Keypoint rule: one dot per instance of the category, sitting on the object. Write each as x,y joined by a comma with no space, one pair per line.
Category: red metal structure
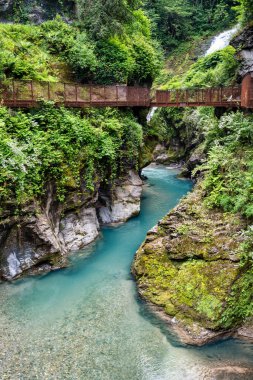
28,94
247,91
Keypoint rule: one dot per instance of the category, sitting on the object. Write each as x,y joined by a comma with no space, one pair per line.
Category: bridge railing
226,96
29,93
17,93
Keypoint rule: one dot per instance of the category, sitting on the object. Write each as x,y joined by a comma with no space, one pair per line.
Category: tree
103,18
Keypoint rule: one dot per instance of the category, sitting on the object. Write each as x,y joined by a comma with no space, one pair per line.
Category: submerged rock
229,373
189,269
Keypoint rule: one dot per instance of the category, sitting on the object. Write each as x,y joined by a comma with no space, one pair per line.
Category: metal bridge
29,94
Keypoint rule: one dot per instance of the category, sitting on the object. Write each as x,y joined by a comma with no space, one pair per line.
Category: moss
191,266
146,153
240,298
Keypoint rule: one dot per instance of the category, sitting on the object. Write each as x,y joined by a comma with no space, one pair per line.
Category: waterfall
151,114
218,42
221,40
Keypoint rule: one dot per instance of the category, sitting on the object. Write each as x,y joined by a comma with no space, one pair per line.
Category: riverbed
86,322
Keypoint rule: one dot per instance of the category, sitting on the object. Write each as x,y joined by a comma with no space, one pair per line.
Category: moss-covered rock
190,265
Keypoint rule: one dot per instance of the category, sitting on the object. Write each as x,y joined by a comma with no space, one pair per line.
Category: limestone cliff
244,45
40,237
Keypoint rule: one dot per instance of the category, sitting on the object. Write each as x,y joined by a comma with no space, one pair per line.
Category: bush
59,145
57,36
147,63
215,70
81,57
228,180
115,62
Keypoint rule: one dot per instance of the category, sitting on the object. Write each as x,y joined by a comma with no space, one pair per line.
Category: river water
87,323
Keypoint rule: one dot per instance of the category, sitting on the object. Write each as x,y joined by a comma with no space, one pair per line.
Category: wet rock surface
244,45
123,201
187,267
5,5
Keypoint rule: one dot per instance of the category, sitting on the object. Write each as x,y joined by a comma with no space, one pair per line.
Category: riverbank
189,267
86,321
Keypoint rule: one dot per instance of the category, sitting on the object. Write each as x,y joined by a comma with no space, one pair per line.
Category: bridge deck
27,94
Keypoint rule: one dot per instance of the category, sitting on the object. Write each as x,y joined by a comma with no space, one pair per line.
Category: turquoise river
86,322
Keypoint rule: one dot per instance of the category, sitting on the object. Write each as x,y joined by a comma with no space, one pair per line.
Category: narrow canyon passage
86,322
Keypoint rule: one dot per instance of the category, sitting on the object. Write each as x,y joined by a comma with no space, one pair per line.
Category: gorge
111,265
87,322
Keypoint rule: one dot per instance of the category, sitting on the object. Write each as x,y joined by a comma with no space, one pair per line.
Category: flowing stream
86,322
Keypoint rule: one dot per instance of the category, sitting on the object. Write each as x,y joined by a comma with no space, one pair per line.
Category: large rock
39,239
37,15
80,228
189,269
244,45
123,201
5,5
29,242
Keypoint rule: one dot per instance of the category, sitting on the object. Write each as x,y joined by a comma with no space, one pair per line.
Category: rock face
37,15
168,155
244,45
40,238
79,228
124,200
188,267
5,5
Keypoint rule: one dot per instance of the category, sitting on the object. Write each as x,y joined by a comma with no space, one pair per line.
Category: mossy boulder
190,266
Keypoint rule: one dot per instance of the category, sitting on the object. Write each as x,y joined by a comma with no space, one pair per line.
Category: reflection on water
86,322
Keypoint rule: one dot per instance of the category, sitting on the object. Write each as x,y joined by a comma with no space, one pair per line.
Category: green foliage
116,62
146,61
217,69
228,181
22,56
58,51
175,21
245,11
165,124
59,145
130,58
103,19
57,35
240,304
70,45
81,57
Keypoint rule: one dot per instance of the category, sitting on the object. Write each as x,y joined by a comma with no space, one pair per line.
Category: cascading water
221,40
151,114
218,42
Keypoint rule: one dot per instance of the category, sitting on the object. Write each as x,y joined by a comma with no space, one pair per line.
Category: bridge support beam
247,91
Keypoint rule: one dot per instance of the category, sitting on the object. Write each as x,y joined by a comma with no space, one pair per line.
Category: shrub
59,145
228,180
81,57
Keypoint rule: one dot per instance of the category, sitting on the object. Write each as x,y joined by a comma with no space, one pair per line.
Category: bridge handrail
29,92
